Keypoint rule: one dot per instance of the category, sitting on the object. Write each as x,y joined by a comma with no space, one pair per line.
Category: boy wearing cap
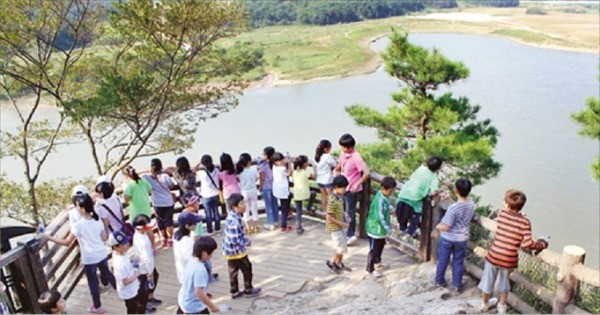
234,248
192,204
143,249
128,285
183,244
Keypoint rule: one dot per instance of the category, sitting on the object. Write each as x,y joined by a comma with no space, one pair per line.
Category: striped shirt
513,231
458,217
335,208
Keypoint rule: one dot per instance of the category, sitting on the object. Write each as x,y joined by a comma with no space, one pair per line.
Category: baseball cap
103,179
188,218
79,190
118,238
190,199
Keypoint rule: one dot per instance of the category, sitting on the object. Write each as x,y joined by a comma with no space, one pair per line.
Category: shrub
536,11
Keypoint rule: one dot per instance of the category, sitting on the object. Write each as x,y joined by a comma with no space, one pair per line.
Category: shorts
164,216
326,186
488,279
339,242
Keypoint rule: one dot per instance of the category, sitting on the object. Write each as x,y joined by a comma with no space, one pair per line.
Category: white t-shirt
182,251
143,249
248,178
90,241
116,207
325,169
161,193
124,269
207,188
74,215
281,185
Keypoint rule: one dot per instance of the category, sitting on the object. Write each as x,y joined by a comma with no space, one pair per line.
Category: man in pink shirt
354,168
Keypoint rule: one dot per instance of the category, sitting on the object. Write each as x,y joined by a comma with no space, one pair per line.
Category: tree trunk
33,200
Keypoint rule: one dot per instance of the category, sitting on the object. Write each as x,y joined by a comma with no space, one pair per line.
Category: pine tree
424,123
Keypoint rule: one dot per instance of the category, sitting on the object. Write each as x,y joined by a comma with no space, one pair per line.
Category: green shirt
378,222
421,183
139,192
301,189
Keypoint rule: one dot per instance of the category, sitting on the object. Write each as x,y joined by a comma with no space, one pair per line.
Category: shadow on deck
283,263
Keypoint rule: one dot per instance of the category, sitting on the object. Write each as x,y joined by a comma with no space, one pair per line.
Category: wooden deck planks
281,262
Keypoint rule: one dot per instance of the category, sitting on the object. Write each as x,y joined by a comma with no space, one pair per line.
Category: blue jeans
92,279
351,199
458,251
271,208
211,206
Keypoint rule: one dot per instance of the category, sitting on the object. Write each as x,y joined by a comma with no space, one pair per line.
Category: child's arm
59,241
528,242
204,298
331,219
382,221
313,175
128,281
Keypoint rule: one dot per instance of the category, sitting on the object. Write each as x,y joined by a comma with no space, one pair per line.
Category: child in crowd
74,214
228,176
184,176
51,302
325,165
128,285
248,176
108,205
281,187
143,250
192,297
266,187
301,188
162,200
183,245
378,225
91,235
209,190
454,229
513,232
234,248
354,168
192,204
422,182
334,224
137,194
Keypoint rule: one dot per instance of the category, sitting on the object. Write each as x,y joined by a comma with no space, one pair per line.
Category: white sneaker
502,308
490,304
381,266
352,240
376,274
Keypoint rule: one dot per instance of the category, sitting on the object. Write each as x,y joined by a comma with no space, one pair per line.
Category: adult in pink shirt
354,168
228,176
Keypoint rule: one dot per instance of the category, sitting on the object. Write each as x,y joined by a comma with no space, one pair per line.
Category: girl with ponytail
248,176
91,235
137,195
325,165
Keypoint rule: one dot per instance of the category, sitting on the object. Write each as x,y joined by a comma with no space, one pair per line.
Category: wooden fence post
426,228
363,210
436,217
567,284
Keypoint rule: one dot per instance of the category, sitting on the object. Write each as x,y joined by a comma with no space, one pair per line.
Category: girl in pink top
228,177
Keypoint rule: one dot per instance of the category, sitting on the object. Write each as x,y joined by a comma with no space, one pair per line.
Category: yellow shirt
335,208
301,188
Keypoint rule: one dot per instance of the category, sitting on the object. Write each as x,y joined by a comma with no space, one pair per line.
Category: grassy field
299,53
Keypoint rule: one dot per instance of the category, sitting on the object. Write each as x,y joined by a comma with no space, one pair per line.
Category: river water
528,92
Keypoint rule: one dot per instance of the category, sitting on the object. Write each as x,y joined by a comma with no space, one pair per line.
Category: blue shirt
458,217
194,276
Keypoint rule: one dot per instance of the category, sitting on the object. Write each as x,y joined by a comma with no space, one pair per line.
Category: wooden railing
34,267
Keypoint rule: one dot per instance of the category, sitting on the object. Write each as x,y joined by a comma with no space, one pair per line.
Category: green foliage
427,124
589,119
536,11
266,13
167,75
52,197
490,3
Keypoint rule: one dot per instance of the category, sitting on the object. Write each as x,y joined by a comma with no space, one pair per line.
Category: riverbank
300,53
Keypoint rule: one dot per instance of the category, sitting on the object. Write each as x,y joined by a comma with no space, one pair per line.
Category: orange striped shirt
513,231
